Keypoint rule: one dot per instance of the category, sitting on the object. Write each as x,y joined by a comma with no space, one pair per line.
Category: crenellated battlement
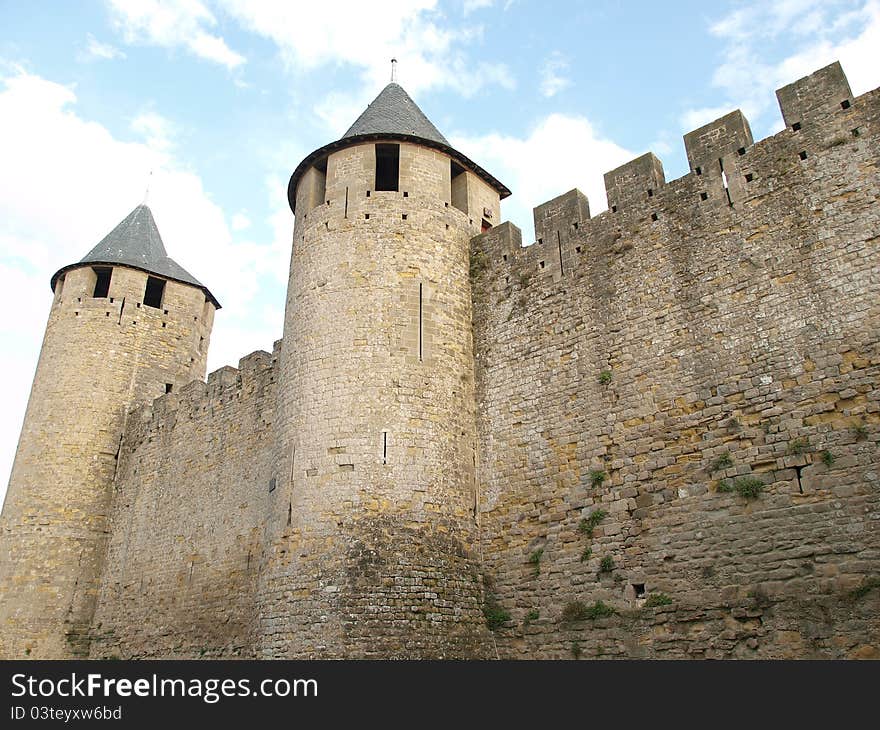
223,391
729,173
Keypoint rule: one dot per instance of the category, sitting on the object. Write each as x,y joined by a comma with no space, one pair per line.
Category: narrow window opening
327,225
724,182
796,127
164,325
107,314
420,321
613,208
289,512
855,132
559,249
384,447
749,177
366,216
154,291
138,305
704,196
541,264
797,475
639,589
102,283
168,387
504,257
698,170
654,216
403,217
447,226
577,249
345,211
368,193
575,224
387,166
485,226
741,151
845,104
650,193
458,188
405,194
540,240
803,154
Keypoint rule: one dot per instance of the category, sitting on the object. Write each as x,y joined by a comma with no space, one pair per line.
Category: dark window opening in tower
387,166
459,186
102,282
485,226
154,291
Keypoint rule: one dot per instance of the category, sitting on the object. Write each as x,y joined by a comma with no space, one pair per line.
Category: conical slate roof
392,115
394,112
136,242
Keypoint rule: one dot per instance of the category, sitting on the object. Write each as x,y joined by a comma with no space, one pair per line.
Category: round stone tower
372,533
127,324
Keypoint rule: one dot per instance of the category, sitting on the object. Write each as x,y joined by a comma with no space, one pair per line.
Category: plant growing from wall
576,649
532,615
798,446
586,554
723,486
722,462
860,431
605,377
868,585
589,523
827,458
535,560
580,611
479,262
749,487
494,613
657,599
607,564
597,477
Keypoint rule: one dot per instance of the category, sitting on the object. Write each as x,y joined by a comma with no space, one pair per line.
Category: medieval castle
652,433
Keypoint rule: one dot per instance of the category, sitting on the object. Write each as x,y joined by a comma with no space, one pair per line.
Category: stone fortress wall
653,433
641,374
100,355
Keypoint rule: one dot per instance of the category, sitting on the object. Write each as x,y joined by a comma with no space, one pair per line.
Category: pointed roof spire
394,112
392,115
136,242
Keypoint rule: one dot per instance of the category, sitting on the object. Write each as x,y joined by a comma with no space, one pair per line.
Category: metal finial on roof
147,191
393,70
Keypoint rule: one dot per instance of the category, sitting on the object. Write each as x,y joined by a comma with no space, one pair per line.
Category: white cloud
97,51
560,153
367,35
553,78
66,181
156,130
173,23
240,221
471,6
819,31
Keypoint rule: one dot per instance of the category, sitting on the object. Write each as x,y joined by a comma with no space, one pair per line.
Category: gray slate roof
136,242
392,115
394,112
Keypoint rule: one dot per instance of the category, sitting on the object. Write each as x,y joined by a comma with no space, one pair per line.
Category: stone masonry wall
195,473
372,535
711,336
99,357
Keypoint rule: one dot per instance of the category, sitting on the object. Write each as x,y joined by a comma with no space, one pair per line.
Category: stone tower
373,525
127,324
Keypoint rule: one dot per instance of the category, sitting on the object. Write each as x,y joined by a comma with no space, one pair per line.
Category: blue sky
221,99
